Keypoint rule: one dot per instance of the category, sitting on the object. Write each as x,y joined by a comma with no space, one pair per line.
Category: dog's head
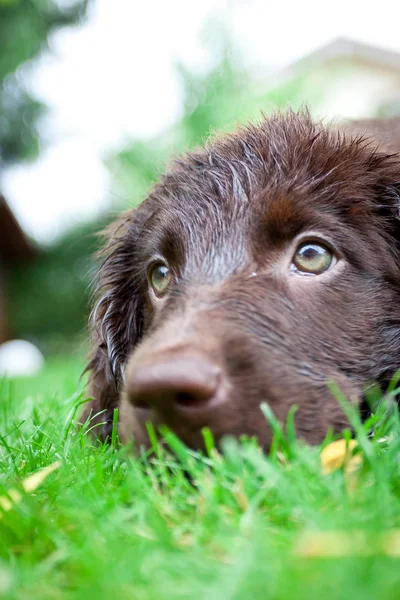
258,270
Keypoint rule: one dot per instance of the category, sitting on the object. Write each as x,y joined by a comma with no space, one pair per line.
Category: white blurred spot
19,358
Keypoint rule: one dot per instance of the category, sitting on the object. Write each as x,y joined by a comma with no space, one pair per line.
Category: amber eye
313,258
159,278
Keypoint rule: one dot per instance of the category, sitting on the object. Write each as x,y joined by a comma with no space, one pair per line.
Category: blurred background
95,97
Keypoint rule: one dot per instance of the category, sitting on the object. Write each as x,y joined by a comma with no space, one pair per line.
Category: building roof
344,47
14,243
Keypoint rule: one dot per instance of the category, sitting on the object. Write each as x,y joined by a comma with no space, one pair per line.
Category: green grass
107,525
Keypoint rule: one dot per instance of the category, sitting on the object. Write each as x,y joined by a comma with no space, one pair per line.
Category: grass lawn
106,525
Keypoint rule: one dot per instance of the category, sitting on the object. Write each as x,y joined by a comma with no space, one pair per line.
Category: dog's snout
180,384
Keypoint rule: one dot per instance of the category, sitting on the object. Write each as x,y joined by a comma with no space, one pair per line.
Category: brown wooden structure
14,246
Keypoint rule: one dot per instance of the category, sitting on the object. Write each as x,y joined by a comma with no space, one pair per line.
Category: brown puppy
259,269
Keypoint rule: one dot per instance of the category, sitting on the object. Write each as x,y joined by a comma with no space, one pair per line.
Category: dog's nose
186,384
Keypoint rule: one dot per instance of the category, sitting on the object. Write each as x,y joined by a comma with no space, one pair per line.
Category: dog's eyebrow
284,217
281,219
163,239
172,247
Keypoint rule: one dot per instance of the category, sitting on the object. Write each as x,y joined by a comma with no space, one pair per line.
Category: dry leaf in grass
330,544
340,454
240,495
29,485
336,544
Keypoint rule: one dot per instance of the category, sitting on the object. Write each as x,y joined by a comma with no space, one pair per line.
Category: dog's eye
313,258
159,278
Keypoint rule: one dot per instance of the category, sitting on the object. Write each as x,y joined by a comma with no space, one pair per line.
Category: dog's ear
116,322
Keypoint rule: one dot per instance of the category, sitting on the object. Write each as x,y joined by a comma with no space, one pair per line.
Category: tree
214,100
25,26
49,298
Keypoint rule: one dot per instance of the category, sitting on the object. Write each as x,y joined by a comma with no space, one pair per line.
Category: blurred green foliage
50,296
213,101
25,26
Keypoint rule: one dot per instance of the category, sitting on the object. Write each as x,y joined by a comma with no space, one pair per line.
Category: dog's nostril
180,383
187,400
141,402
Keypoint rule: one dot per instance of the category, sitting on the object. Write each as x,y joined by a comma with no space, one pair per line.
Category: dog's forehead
267,213
263,186
209,236
279,174
218,239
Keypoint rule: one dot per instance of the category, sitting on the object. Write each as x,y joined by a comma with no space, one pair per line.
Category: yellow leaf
335,544
331,544
29,485
240,495
340,454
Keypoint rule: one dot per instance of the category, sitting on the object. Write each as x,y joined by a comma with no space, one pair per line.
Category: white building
346,79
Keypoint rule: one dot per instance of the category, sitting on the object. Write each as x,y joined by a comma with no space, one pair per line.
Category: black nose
186,384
